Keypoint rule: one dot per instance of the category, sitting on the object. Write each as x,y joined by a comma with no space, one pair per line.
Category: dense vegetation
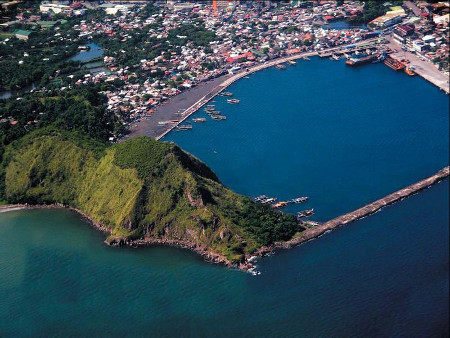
38,60
373,9
139,189
81,108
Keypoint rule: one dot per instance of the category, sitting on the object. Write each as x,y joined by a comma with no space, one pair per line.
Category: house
22,34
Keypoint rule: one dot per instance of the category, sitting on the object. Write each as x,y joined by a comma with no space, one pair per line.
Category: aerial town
194,42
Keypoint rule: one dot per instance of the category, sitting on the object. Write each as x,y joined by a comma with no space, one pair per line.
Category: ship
218,117
360,59
199,119
292,62
226,94
393,64
280,66
233,101
409,71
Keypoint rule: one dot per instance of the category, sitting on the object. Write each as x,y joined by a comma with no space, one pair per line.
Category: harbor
194,99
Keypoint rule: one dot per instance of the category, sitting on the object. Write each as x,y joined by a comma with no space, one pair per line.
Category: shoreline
247,265
202,94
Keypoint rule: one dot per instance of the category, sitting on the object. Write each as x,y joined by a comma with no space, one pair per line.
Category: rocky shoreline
207,255
247,265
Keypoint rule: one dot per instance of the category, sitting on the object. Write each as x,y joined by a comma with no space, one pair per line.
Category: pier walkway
365,210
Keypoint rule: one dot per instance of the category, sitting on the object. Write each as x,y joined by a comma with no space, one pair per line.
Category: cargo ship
393,64
360,59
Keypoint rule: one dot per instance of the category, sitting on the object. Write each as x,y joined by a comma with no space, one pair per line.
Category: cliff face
141,190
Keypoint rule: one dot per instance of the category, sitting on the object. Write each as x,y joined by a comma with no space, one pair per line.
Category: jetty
366,210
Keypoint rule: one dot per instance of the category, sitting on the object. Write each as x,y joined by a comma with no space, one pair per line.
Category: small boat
218,117
306,58
299,199
233,101
280,204
226,94
214,112
185,127
269,200
409,71
280,66
199,119
335,57
292,62
305,213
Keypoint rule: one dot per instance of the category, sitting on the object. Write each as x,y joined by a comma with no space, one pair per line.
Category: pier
366,210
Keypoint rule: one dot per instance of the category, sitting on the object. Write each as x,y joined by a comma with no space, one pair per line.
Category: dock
366,210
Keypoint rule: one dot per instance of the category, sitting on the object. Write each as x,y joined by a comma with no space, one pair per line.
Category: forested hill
140,190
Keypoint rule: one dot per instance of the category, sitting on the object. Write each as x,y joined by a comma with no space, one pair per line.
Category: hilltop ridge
141,192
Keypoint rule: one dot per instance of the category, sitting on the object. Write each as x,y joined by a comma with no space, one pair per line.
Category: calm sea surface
294,133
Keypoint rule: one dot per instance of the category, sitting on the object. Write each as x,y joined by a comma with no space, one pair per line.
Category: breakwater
365,210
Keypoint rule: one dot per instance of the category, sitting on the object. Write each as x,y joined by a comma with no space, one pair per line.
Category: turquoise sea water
386,275
294,133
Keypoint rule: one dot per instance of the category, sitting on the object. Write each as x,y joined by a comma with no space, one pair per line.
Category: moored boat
409,71
280,66
292,62
226,94
393,64
305,213
233,101
218,117
199,119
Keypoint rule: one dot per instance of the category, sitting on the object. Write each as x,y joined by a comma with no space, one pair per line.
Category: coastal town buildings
226,38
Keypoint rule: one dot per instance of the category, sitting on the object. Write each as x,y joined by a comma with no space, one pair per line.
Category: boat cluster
264,199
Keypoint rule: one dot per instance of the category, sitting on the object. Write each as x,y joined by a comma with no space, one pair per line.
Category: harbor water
342,136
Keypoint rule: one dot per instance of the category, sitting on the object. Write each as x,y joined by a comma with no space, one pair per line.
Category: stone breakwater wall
365,210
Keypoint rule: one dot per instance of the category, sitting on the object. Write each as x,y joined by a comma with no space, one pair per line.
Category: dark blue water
385,276
342,136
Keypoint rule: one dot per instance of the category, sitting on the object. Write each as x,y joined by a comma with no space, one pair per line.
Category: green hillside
140,189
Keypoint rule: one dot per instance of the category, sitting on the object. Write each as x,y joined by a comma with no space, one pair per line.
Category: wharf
366,210
423,68
200,95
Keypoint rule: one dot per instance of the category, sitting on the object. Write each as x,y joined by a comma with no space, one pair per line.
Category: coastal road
191,100
424,68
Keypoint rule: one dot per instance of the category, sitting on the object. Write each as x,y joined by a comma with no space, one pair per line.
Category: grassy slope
140,189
